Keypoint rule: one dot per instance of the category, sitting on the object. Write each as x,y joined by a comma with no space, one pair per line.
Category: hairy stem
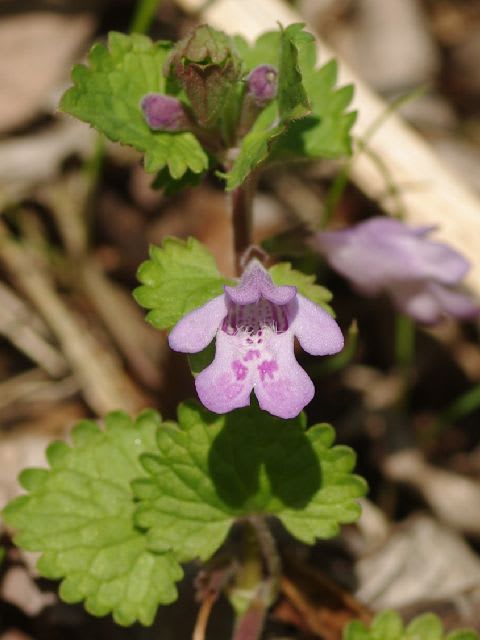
269,551
258,583
241,200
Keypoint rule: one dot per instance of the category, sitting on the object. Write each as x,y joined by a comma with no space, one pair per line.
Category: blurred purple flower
262,83
163,113
255,324
386,255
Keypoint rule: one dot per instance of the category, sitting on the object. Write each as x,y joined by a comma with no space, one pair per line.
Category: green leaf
277,48
292,100
255,147
326,132
356,630
171,186
425,627
180,276
389,626
79,515
108,92
283,274
212,470
263,51
308,119
200,361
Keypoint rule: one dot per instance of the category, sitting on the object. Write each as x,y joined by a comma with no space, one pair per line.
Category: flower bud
262,84
163,113
208,69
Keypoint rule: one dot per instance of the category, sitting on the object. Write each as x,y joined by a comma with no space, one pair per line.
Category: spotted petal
225,384
282,386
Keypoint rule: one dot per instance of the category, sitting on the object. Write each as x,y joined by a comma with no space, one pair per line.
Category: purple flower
163,113
386,255
262,83
255,324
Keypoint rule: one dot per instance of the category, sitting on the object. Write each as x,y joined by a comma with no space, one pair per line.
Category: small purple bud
163,113
262,83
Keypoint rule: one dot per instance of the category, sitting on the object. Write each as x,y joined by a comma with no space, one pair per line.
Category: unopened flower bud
262,83
163,113
205,64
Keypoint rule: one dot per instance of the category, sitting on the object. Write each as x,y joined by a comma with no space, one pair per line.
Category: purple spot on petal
239,369
267,368
251,354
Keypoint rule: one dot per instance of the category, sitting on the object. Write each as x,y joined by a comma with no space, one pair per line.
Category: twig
35,386
35,159
17,324
141,348
203,615
104,384
139,344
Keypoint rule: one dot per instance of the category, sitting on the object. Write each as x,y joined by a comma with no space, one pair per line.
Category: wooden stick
430,193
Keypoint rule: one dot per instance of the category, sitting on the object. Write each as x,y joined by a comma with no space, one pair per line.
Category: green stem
459,408
144,15
404,341
268,548
334,195
251,573
254,591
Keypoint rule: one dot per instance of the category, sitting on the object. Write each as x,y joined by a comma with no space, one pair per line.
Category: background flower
385,255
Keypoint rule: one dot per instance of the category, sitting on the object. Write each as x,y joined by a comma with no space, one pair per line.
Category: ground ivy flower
255,324
163,113
385,255
262,83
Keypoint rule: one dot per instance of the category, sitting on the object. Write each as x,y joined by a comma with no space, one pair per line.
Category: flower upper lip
255,284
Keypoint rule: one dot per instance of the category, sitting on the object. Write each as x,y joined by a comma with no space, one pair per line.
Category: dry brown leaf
422,560
16,453
36,50
455,499
19,588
